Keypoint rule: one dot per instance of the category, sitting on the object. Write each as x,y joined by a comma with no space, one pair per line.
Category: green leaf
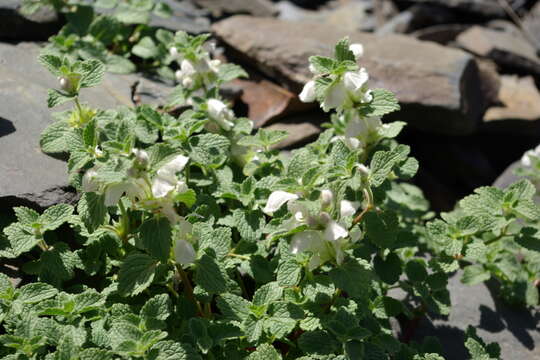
478,349
58,264
89,300
267,294
475,274
189,198
26,216
21,238
209,149
289,273
136,274
210,276
156,310
55,98
301,161
170,350
384,102
229,72
92,72
52,63
318,342
92,210
265,352
383,161
53,139
322,64
146,48
389,269
233,307
218,239
250,224
55,216
353,277
382,229
155,237
529,238
35,292
342,52
416,270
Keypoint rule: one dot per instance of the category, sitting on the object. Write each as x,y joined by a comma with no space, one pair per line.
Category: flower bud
364,170
65,84
357,50
141,156
308,92
173,51
327,198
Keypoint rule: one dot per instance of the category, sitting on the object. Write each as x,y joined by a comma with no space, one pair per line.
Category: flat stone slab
27,176
516,330
438,87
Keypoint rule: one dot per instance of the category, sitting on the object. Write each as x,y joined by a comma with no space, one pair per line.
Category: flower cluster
325,238
196,70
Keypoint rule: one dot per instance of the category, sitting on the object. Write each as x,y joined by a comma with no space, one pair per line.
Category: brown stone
438,87
519,112
503,47
299,133
219,8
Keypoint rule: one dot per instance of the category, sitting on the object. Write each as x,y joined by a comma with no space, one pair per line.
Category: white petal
185,228
355,127
352,143
363,169
169,170
327,198
184,252
299,211
215,107
89,184
334,231
355,81
114,192
357,50
312,69
335,96
167,209
187,81
308,92
161,187
373,123
174,52
187,68
276,199
141,156
309,240
315,262
348,208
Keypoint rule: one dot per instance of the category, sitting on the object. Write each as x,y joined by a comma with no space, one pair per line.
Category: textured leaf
475,274
92,72
92,210
136,274
35,292
55,98
383,102
265,352
155,237
267,293
55,216
233,307
210,276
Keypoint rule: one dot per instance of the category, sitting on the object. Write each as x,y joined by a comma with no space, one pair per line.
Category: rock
519,112
220,8
507,177
417,17
531,25
438,87
27,176
349,16
14,26
267,101
441,34
514,329
300,128
507,50
490,80
480,8
185,17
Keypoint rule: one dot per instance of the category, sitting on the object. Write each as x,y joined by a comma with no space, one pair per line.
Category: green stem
188,288
370,205
79,108
124,220
495,239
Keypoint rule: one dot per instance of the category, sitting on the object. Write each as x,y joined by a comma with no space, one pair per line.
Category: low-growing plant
195,238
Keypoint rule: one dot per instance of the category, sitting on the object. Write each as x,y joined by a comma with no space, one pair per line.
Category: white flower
141,156
355,81
308,92
363,169
327,198
335,96
357,50
348,208
220,113
312,241
529,155
334,231
184,253
186,73
173,51
166,180
114,192
89,183
214,65
276,200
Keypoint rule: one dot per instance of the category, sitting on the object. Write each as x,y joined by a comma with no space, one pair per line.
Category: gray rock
481,8
441,34
14,26
531,25
27,176
417,17
515,330
504,47
349,16
185,17
519,109
300,128
220,8
438,87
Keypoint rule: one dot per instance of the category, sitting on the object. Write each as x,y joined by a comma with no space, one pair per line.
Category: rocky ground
467,74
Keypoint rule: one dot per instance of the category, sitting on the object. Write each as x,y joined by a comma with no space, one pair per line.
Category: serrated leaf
136,274
170,350
92,72
267,293
229,72
322,64
342,52
55,216
53,139
289,273
210,276
156,310
388,269
416,270
383,162
21,238
265,352
353,277
146,48
35,292
317,342
155,236
474,274
92,210
55,98
26,216
384,102
52,63
233,307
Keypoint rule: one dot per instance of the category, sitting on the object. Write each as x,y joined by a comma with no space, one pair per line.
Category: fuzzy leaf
136,274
